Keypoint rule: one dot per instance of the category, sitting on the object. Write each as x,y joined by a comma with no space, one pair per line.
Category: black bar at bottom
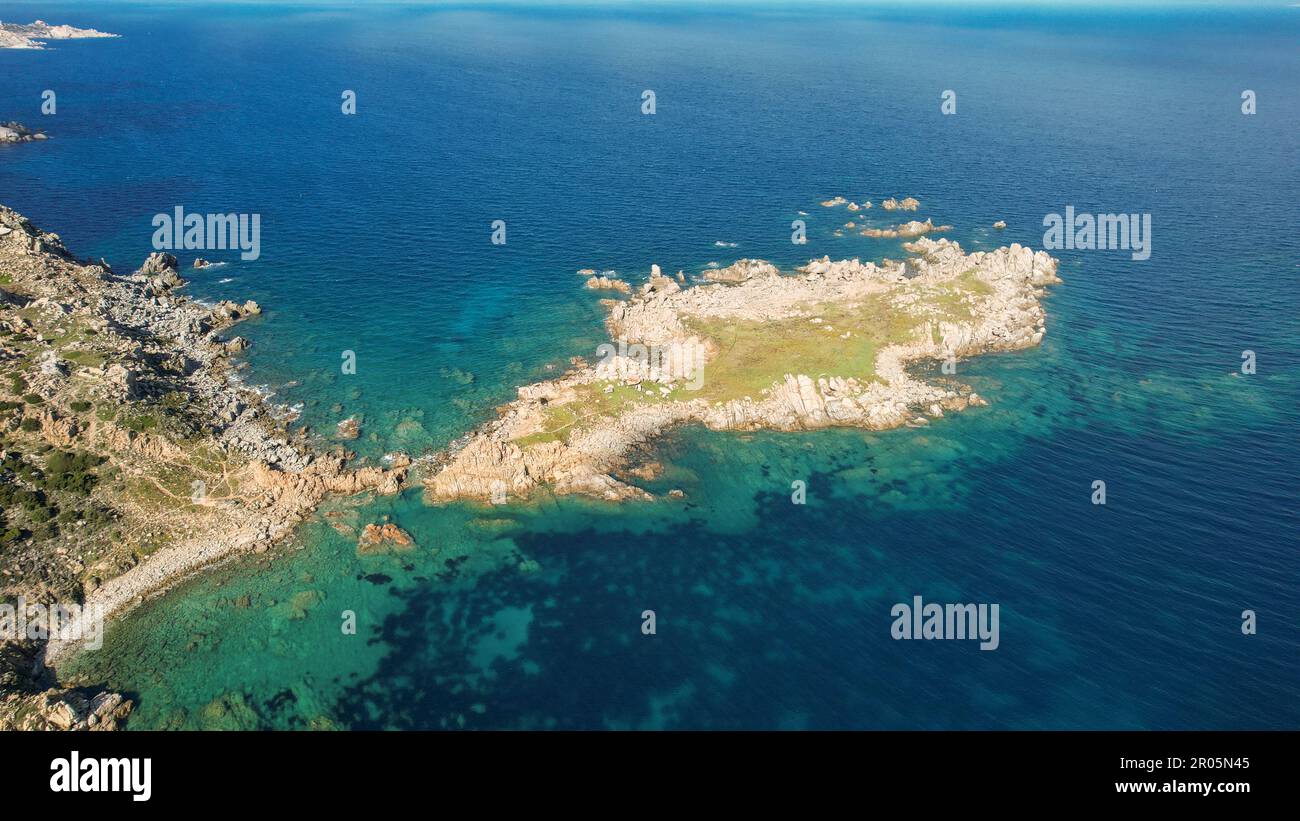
209,771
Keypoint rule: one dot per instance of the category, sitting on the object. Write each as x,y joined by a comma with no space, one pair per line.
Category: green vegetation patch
137,421
72,472
952,301
560,420
829,340
756,355
89,359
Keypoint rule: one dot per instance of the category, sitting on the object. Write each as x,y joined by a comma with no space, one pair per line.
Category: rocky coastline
133,453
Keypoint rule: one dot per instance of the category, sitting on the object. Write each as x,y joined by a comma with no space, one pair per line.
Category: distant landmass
34,35
15,132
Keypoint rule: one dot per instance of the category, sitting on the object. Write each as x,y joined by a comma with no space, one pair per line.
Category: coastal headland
133,452
33,36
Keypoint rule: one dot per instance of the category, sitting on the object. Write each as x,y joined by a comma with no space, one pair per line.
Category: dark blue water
376,239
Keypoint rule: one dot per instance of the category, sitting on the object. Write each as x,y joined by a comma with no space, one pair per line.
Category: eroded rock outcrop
915,228
28,701
598,283
383,538
742,271
905,204
13,132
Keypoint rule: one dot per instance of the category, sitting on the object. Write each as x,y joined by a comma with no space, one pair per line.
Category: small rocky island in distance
15,132
34,35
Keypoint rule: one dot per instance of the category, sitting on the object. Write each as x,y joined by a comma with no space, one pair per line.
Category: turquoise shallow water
376,239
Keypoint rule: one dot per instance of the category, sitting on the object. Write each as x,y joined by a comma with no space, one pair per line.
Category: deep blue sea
376,238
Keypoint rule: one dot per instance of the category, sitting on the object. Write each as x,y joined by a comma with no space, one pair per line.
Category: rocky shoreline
134,454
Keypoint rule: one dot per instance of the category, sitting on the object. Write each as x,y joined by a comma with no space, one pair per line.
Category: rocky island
755,348
914,228
13,132
132,452
33,35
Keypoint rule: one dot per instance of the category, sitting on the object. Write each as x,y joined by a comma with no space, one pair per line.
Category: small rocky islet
15,132
750,347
